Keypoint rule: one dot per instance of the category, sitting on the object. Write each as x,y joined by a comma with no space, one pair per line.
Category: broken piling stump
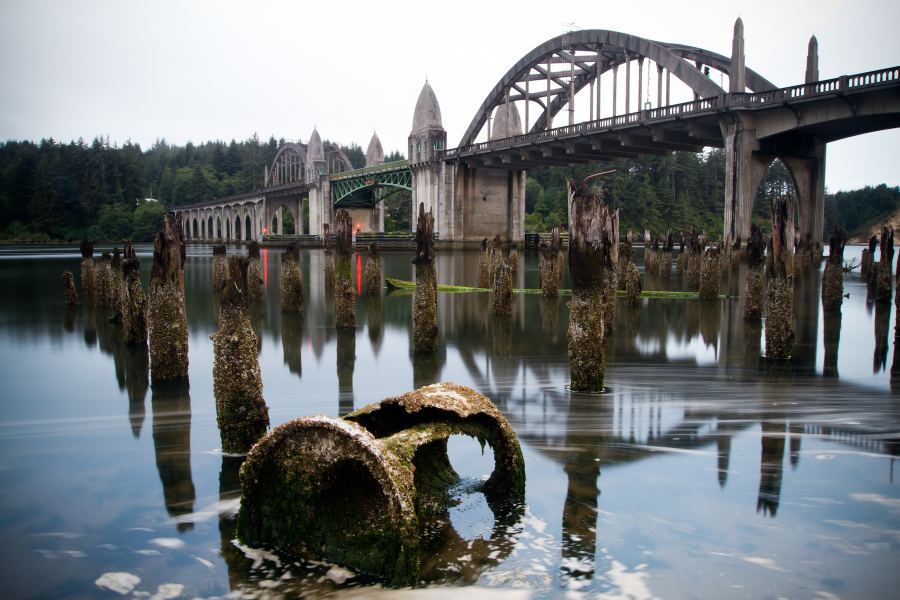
291,280
549,265
833,278
360,490
611,277
629,277
117,284
68,282
590,239
134,302
219,267
502,300
484,265
103,280
167,318
345,294
665,257
241,412
328,265
513,259
373,272
709,275
255,281
87,268
425,329
780,295
883,274
753,285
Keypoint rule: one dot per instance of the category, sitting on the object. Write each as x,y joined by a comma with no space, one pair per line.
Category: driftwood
345,295
360,490
241,412
591,237
833,278
425,329
167,318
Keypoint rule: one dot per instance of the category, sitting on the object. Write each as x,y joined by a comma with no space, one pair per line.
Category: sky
205,70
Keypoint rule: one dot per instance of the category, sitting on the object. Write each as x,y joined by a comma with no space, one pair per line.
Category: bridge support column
745,167
320,206
427,188
809,180
480,203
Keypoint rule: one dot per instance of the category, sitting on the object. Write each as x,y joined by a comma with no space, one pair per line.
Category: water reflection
427,367
770,467
172,443
882,324
137,380
374,322
292,341
346,363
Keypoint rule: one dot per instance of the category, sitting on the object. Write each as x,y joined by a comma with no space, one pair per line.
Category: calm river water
702,473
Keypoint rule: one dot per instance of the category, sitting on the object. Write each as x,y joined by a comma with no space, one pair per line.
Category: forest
52,191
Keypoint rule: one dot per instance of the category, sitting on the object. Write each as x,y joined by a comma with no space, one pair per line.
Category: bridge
477,189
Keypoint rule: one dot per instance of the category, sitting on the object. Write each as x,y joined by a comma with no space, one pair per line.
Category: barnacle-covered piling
328,265
219,267
373,272
291,281
513,259
425,329
665,257
134,302
611,277
709,275
753,285
502,297
255,280
167,318
591,237
344,294
117,284
484,264
629,277
833,279
68,282
360,490
87,268
103,280
549,265
779,295
241,412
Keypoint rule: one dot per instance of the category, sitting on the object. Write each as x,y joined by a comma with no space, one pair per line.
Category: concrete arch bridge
618,96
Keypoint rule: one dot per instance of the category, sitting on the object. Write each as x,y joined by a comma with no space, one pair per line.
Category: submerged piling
219,267
117,284
373,272
780,295
345,295
753,285
328,265
549,265
291,280
502,300
425,329
241,412
665,257
883,274
629,277
484,265
513,259
167,318
103,280
134,302
87,268
611,277
255,281
833,279
651,258
590,239
68,282
868,258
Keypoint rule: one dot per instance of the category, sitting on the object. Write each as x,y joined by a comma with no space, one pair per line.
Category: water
702,473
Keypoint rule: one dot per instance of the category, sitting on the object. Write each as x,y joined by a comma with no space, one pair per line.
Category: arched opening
209,227
228,229
218,228
237,228
289,226
470,515
194,235
275,222
203,229
249,231
776,182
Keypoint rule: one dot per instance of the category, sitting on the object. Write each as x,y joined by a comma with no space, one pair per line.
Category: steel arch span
588,54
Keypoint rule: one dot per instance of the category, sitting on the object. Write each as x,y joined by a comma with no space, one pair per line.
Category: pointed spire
737,81
375,153
506,121
428,111
314,149
812,60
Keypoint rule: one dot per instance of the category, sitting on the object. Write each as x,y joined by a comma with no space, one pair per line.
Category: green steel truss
356,189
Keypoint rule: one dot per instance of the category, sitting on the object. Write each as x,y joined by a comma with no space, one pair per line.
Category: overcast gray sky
204,70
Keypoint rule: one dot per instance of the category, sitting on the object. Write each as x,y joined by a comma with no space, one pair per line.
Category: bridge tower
375,156
426,140
319,187
748,156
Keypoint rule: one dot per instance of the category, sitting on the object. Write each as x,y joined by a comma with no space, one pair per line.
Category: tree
147,219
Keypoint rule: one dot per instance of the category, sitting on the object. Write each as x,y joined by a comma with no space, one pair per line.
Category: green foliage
396,211
857,209
114,223
147,219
